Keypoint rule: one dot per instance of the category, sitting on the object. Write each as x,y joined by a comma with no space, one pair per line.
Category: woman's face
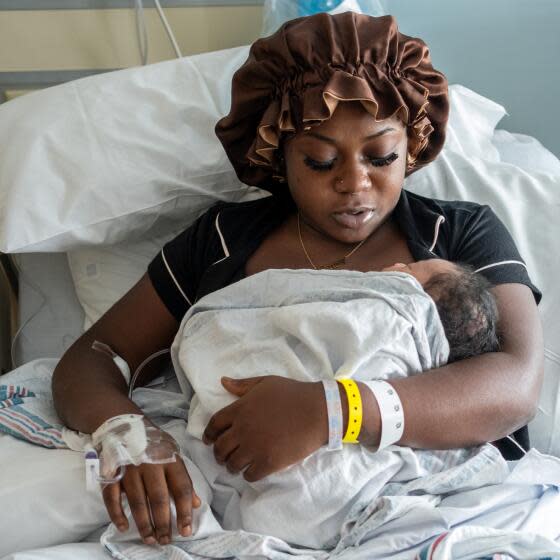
346,174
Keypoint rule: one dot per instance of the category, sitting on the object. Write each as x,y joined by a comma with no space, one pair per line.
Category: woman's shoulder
251,203
419,204
248,218
470,233
459,217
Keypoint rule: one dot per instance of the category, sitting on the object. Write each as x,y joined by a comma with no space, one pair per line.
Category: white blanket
310,325
464,503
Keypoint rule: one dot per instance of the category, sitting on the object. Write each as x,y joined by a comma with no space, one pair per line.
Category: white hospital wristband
334,413
390,407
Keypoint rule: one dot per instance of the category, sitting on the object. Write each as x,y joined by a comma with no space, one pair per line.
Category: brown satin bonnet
294,79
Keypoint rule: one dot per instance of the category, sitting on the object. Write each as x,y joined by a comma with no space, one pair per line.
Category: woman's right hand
149,488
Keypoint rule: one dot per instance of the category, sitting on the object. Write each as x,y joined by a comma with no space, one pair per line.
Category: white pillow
525,152
102,275
113,156
472,120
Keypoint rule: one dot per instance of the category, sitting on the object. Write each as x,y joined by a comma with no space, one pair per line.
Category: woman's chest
283,249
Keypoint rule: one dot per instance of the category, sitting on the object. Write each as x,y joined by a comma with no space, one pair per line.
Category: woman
329,114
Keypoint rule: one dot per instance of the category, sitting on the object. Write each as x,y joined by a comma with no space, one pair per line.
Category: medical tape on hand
391,410
334,413
128,440
119,362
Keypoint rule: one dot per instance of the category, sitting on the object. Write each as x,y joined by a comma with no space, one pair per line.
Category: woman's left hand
275,423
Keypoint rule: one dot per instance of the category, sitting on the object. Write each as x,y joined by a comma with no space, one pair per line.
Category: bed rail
8,310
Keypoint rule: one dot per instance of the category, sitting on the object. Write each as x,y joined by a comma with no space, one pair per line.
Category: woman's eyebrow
365,139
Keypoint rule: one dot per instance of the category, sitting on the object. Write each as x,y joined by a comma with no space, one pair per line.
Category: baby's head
466,306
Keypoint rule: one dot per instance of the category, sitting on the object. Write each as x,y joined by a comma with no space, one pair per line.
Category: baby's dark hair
467,308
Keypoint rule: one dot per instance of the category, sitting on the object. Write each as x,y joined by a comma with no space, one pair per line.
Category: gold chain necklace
336,264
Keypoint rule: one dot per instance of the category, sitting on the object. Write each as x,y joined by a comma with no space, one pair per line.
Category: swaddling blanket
308,325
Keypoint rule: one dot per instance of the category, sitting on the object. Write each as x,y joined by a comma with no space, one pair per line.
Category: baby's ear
393,266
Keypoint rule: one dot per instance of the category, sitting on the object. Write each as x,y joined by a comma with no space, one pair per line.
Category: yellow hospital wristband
354,410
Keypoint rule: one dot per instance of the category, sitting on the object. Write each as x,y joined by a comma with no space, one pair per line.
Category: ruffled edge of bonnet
283,88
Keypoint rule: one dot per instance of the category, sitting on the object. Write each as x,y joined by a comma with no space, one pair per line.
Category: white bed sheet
50,315
73,551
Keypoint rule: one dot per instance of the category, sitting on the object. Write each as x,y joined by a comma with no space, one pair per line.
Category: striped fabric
20,418
428,552
438,551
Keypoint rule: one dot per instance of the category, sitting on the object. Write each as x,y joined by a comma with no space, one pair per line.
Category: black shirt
213,251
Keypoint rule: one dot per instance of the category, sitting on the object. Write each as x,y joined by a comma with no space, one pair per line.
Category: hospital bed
68,275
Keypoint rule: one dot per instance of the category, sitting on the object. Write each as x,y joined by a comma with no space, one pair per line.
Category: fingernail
164,540
121,527
149,540
186,531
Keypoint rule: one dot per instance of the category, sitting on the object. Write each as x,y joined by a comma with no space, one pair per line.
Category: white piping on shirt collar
224,246
439,221
173,277
499,264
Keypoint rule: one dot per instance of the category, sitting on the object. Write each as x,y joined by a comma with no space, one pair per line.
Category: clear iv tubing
167,28
104,480
141,367
141,32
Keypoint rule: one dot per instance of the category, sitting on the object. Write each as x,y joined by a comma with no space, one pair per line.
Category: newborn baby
311,325
465,304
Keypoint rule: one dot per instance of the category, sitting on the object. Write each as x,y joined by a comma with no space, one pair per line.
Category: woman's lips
351,220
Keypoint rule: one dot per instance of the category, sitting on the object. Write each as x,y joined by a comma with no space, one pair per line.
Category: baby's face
423,271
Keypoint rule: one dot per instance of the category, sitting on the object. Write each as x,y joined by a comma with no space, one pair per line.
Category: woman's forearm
88,388
464,403
479,399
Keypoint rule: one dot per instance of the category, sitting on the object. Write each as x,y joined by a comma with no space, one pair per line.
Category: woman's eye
327,165
380,162
319,165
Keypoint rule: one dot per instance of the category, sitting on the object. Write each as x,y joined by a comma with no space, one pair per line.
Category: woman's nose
353,178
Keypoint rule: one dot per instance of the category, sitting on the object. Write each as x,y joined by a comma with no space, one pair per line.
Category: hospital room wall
507,50
104,39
